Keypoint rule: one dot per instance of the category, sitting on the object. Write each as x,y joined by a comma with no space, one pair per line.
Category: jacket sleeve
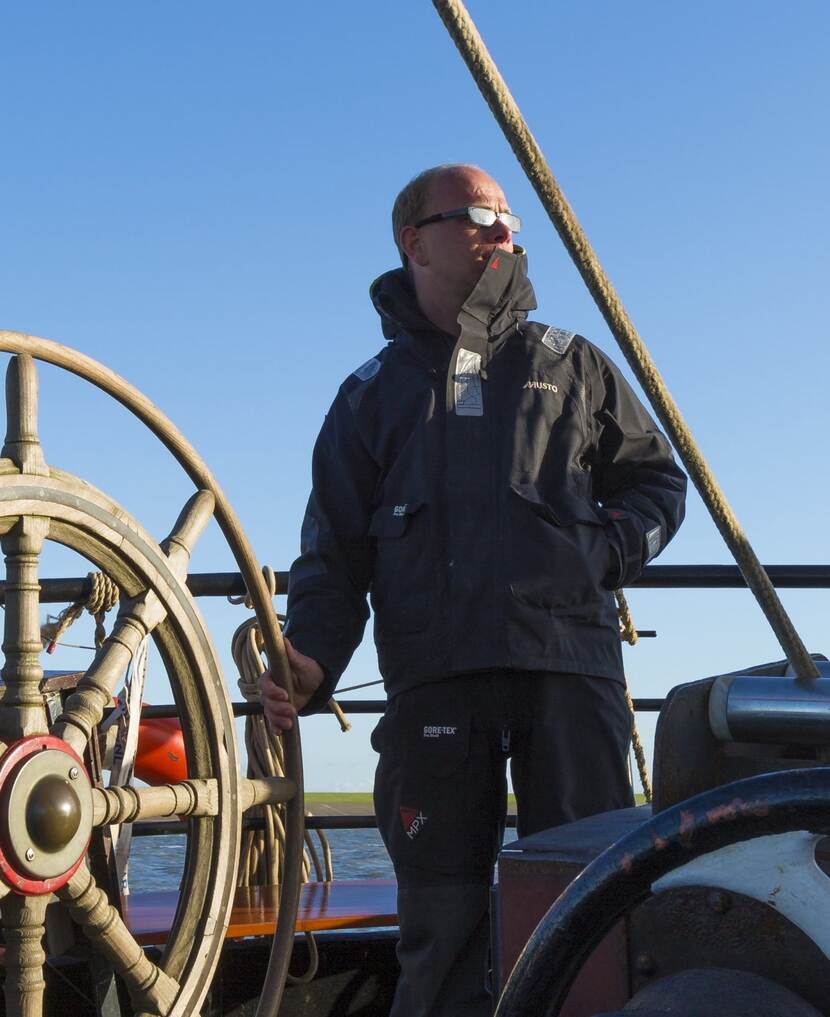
328,583
636,479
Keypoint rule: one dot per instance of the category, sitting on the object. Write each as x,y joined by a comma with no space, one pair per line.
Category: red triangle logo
495,263
408,816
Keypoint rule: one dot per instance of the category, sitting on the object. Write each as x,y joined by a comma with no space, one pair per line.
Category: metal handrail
174,827
653,577
243,709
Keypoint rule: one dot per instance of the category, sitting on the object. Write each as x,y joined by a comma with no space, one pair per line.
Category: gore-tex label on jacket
469,401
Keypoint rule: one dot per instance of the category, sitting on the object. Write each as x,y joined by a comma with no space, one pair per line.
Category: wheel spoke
136,620
265,791
84,709
22,711
116,805
23,928
194,517
151,989
22,443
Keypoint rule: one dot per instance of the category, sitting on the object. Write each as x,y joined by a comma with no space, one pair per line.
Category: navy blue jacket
488,494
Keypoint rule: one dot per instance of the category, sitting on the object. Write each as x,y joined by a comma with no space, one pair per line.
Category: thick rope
628,634
102,598
628,631
492,86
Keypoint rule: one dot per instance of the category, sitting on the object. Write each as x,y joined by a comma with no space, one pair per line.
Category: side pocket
560,552
422,782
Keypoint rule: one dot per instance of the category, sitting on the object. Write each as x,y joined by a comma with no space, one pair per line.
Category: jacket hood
502,296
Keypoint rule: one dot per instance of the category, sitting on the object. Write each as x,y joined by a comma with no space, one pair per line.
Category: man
489,481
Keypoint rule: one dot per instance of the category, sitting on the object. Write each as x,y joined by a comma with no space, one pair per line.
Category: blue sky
198,195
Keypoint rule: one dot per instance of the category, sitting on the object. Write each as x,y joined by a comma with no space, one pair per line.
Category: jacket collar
502,296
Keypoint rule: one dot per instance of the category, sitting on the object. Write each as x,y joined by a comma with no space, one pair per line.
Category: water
359,854
156,863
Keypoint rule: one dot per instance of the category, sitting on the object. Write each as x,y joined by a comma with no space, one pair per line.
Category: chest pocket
402,585
393,520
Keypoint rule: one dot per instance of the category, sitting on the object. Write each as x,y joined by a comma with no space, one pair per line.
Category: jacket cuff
615,563
328,661
632,547
320,699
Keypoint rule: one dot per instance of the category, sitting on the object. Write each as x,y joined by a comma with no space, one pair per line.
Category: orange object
160,757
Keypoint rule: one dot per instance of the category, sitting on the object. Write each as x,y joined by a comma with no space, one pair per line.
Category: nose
499,233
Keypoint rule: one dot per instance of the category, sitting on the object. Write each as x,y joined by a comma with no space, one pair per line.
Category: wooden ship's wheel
49,806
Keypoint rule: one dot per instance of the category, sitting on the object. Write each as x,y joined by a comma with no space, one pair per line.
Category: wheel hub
43,781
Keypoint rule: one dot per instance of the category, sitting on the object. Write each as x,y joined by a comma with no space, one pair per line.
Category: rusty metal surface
533,872
702,927
526,891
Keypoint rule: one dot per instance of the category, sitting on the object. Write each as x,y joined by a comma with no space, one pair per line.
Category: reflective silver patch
653,542
557,339
367,370
469,400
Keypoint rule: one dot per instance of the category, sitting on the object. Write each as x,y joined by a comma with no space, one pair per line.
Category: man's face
452,254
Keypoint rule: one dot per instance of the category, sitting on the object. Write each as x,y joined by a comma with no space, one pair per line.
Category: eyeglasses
477,216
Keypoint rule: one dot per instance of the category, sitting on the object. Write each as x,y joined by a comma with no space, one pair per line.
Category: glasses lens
482,216
512,222
487,217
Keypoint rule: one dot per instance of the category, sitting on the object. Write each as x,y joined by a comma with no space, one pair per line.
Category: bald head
445,258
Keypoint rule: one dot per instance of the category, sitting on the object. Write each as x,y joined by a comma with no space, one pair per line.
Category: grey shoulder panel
356,384
368,370
557,339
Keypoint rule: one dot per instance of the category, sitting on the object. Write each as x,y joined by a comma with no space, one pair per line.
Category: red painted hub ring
10,763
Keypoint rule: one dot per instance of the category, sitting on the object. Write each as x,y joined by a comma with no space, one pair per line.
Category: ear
412,245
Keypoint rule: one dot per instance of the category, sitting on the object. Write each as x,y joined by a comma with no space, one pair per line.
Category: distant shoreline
355,803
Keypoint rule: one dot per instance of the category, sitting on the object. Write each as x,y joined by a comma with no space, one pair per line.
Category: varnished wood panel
343,904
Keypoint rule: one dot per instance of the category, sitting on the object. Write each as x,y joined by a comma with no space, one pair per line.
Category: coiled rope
270,578
492,86
261,857
102,598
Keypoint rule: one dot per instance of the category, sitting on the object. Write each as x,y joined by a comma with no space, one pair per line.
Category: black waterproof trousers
440,799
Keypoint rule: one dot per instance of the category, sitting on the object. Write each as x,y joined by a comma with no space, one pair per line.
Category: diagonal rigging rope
492,86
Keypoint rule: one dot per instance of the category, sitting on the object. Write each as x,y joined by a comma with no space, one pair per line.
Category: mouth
487,252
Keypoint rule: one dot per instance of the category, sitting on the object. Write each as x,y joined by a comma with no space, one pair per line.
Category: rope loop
270,578
103,597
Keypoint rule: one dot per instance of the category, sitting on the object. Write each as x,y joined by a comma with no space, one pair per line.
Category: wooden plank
342,904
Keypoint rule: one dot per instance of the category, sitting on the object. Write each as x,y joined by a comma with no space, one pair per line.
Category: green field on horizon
365,798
